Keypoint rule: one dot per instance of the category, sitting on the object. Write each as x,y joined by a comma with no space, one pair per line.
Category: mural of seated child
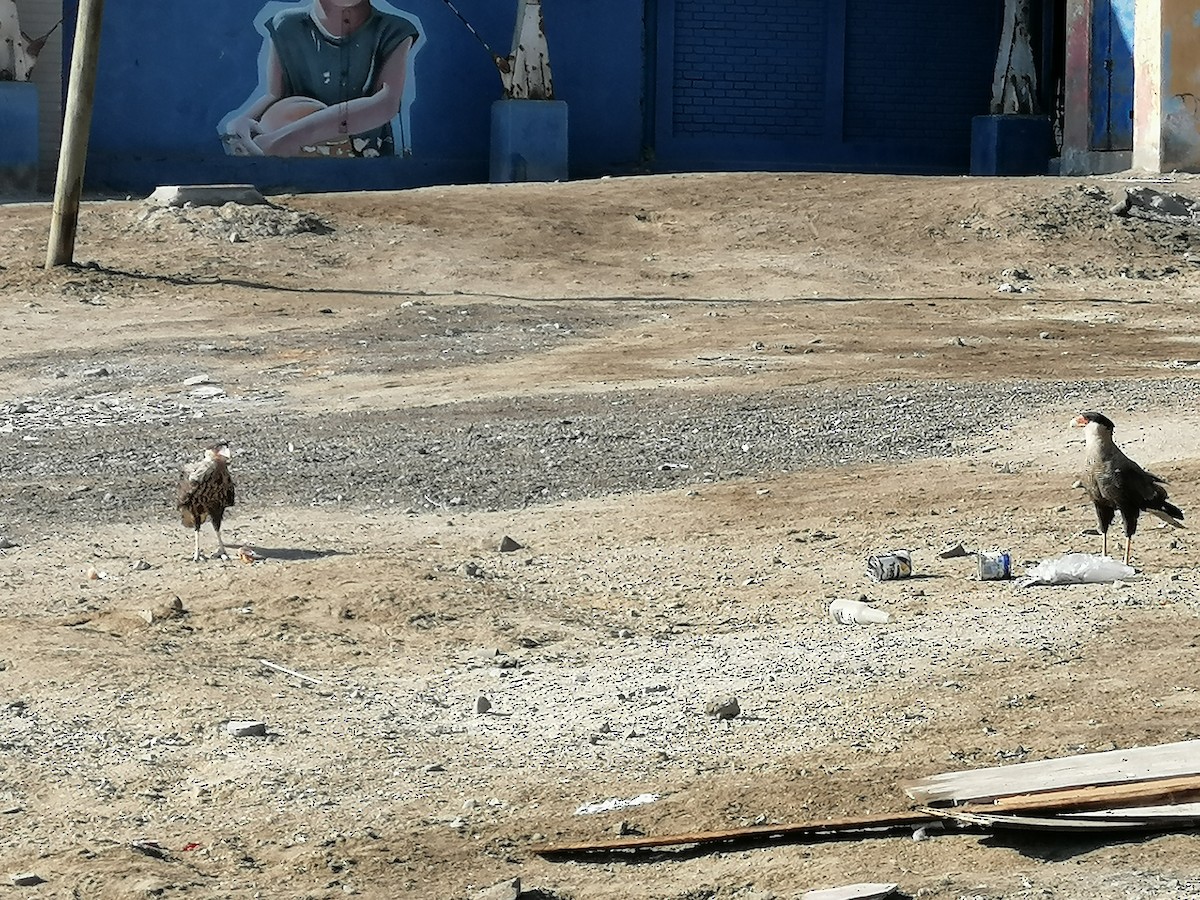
333,82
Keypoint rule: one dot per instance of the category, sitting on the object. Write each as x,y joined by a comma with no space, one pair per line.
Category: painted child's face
344,4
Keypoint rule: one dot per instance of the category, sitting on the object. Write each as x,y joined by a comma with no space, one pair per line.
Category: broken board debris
833,829
1107,767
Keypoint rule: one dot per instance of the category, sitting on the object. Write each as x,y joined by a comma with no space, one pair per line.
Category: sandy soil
697,403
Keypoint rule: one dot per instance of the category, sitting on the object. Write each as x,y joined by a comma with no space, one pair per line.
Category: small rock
470,570
508,545
6,544
505,890
149,848
482,704
27,879
723,707
247,729
435,767
141,566
950,551
98,372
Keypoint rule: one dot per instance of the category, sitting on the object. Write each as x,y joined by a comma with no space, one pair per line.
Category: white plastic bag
1077,568
855,612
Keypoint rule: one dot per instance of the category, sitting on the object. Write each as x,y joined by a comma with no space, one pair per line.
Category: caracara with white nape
205,492
1116,483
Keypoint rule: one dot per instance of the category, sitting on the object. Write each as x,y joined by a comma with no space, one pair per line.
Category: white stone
247,728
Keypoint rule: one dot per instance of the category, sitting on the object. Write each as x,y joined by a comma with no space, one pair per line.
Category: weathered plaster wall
1181,86
1167,97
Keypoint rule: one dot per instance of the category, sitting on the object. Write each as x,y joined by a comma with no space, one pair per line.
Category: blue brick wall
757,67
916,70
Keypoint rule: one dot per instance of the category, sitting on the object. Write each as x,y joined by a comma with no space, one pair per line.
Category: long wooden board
1108,767
858,826
1174,811
1016,821
1158,791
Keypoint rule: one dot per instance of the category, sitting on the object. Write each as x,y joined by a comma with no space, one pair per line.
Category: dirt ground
697,404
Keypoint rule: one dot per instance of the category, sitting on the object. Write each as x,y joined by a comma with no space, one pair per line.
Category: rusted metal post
68,186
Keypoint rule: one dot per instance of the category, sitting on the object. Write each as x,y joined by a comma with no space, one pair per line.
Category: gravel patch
504,454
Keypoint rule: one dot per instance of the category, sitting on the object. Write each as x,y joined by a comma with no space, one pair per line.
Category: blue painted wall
866,85
18,137
169,72
651,85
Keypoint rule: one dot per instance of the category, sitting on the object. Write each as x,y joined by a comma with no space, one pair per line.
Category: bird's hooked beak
225,453
1081,421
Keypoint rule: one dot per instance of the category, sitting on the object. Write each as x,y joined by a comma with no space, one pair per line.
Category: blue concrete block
1011,145
18,137
529,141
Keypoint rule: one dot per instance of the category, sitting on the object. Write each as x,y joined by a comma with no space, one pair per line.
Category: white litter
1077,568
615,803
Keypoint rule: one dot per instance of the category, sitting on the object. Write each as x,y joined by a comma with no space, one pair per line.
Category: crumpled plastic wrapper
1077,568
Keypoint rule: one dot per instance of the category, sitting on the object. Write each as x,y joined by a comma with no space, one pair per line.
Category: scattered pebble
726,707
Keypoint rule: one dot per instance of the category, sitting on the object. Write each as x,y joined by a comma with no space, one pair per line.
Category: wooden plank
1110,796
1108,767
1174,811
1065,823
858,826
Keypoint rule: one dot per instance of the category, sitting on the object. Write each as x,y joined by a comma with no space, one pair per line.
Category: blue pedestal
18,137
529,140
1011,145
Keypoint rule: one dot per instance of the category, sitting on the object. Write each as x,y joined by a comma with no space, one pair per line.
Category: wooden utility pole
77,121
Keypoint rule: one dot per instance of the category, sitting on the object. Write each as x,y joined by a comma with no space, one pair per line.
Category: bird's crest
1086,418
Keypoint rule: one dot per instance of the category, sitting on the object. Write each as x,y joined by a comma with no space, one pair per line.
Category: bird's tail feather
1170,513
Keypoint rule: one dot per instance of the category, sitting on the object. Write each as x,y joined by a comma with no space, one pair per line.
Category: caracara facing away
1115,482
204,493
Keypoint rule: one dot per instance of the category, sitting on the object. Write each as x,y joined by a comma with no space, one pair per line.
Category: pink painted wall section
1077,81
1148,54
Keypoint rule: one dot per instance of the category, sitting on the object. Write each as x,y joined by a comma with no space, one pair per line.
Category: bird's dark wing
1127,485
1154,477
187,490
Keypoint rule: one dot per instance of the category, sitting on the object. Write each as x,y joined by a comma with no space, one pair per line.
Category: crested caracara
1115,482
205,491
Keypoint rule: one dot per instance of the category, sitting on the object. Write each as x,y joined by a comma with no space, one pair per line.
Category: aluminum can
890,566
995,566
